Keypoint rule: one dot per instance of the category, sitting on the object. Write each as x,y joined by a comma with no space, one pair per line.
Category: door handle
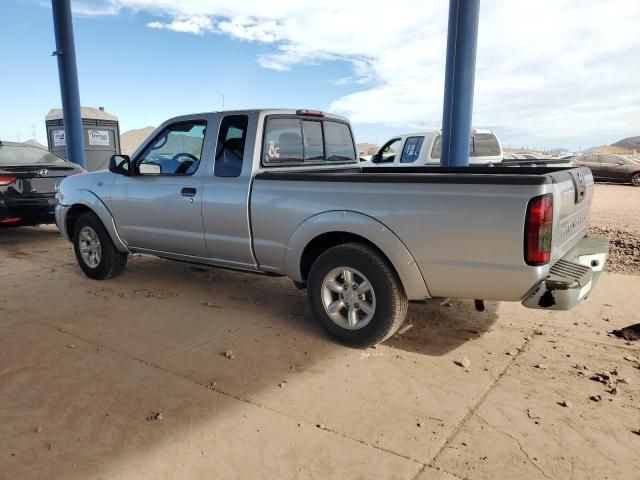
188,192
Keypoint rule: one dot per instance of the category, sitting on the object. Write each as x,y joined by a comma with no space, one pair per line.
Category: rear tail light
538,230
4,181
11,220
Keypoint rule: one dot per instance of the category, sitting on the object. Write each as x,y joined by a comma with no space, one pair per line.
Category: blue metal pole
68,72
462,41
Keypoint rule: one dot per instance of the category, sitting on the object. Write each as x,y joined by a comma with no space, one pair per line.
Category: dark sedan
29,180
609,167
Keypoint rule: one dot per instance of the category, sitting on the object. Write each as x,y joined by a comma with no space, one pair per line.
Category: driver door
386,156
159,208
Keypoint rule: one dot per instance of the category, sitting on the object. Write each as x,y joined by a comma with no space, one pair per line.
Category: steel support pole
462,41
68,72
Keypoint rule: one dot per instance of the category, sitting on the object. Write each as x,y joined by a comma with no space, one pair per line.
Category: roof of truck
271,111
438,131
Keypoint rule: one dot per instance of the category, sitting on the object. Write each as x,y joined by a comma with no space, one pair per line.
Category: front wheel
635,179
356,295
95,252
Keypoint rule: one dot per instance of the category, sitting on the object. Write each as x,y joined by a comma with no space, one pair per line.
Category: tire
110,262
635,179
385,299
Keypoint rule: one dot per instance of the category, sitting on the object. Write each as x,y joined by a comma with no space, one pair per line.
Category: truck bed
464,226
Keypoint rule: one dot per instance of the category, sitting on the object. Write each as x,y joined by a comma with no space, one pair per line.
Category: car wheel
95,252
356,295
635,179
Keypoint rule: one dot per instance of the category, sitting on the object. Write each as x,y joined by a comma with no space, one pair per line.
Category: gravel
615,214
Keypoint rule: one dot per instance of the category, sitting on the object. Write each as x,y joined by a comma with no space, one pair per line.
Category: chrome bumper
572,278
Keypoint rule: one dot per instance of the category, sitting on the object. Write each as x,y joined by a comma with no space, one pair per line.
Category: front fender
366,227
91,201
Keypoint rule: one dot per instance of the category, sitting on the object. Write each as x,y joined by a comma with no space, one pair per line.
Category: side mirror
375,158
120,164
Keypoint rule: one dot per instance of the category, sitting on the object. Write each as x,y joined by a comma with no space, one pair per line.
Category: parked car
424,149
281,192
29,179
609,167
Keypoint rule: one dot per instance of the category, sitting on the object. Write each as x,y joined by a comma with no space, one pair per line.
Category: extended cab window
289,141
231,143
176,151
411,150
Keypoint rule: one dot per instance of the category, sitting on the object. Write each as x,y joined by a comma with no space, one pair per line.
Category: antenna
223,101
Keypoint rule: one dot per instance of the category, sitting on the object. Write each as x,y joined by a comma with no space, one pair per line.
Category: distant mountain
367,149
630,143
131,139
557,151
609,149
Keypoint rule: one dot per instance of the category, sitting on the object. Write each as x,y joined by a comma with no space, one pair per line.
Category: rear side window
480,145
290,141
411,150
485,145
230,148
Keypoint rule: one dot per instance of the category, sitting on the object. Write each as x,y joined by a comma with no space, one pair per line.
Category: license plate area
45,185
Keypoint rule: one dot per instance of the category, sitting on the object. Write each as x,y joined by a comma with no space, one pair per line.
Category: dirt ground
615,213
128,379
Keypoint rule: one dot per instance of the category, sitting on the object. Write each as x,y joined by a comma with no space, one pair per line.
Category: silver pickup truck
281,192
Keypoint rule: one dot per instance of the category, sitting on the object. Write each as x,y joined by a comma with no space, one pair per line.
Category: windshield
25,155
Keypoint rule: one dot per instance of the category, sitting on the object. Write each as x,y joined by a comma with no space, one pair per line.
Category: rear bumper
572,278
27,212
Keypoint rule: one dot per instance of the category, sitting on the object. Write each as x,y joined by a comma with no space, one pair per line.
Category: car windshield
25,155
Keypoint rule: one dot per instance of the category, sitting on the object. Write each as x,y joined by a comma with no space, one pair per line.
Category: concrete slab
402,398
521,430
84,416
153,340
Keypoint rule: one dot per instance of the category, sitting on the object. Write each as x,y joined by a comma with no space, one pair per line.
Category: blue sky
570,84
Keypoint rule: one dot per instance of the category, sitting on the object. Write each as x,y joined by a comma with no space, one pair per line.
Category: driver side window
175,151
387,154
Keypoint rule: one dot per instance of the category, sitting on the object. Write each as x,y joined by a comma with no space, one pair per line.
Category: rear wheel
95,252
635,179
356,295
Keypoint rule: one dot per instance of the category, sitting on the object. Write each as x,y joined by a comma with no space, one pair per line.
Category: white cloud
545,68
197,25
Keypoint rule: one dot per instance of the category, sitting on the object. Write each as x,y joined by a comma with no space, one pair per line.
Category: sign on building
58,138
98,137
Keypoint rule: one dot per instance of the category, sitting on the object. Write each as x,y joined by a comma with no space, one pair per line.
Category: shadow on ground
89,362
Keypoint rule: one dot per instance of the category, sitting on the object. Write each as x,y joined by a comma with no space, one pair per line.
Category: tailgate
572,195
